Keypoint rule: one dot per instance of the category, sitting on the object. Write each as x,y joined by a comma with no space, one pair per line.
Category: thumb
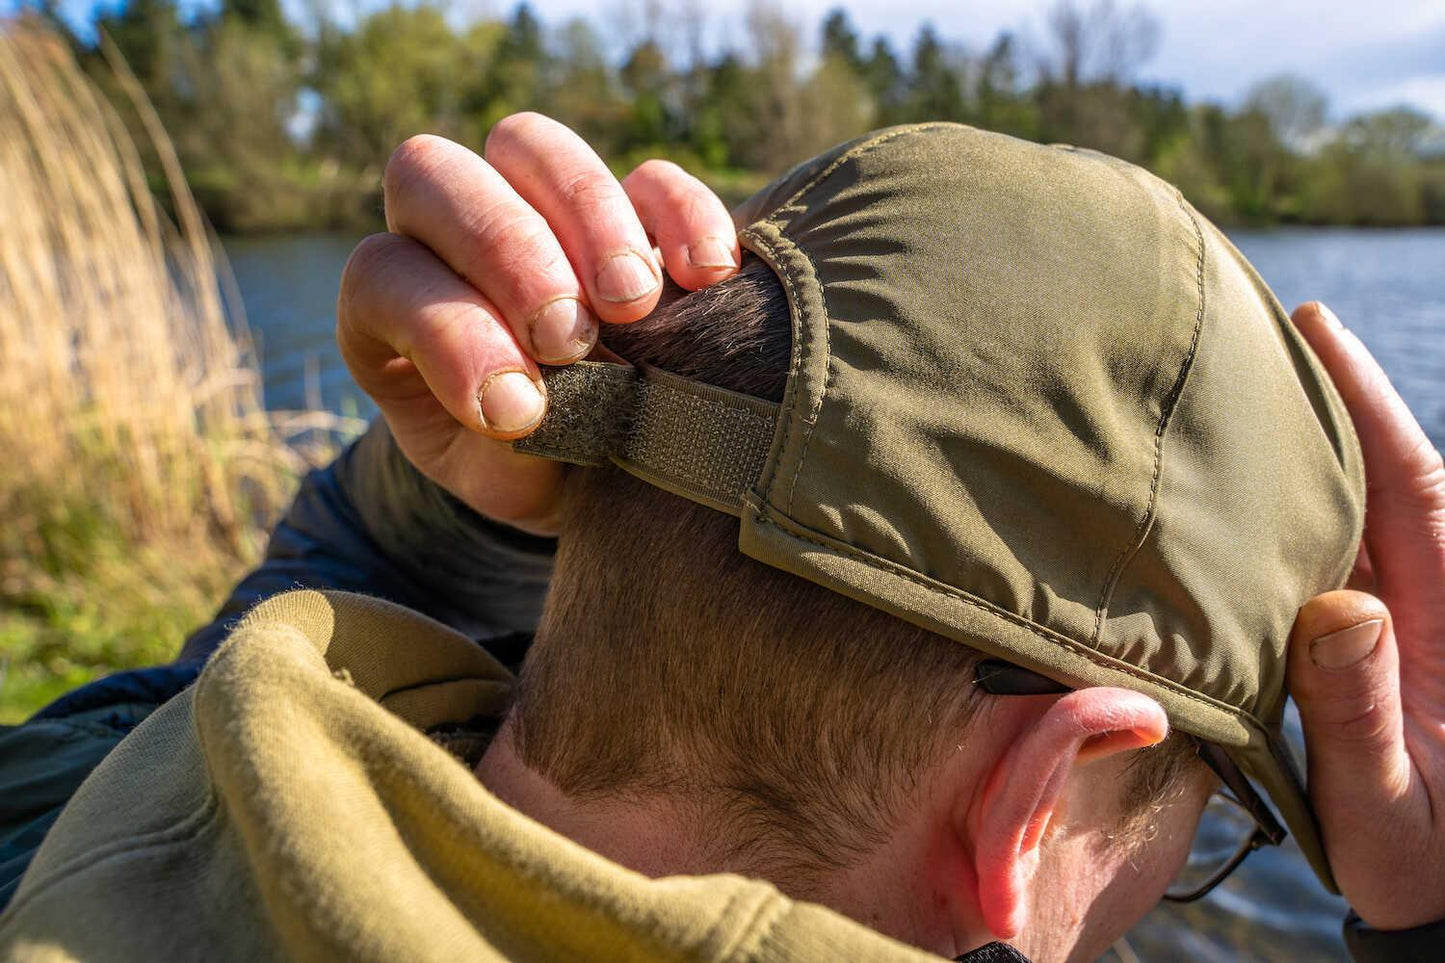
1344,676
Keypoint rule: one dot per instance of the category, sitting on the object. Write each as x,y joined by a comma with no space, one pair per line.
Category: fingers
567,184
1344,676
416,336
1365,759
693,229
1405,511
456,204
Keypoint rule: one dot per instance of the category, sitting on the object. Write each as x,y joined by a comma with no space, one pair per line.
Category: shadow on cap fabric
1036,404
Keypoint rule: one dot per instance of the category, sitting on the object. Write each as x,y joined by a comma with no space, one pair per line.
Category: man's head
1032,403
808,734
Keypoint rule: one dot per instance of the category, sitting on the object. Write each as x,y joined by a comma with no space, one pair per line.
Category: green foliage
113,607
402,71
284,127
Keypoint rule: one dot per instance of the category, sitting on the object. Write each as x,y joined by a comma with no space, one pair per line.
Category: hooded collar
296,792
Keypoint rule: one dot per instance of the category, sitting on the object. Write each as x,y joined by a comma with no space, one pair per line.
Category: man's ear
1025,783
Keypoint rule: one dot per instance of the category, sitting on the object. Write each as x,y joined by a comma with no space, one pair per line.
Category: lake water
1389,287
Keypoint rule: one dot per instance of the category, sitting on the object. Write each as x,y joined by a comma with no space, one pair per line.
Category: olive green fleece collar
289,805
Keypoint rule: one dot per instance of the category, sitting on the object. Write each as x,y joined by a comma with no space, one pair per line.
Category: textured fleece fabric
290,806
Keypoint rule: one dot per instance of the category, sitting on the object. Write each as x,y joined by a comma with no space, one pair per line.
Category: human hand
1367,663
495,263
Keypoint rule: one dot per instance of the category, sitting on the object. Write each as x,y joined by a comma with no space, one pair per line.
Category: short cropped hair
794,721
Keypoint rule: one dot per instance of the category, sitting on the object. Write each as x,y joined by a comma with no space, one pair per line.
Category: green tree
402,71
148,33
1371,174
266,19
840,39
585,93
646,78
884,77
723,127
1295,108
1002,103
936,79
519,69
1084,70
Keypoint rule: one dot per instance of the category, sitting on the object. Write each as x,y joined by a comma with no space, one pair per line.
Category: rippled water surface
1388,286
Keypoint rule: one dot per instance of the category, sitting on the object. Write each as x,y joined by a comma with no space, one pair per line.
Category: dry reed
139,469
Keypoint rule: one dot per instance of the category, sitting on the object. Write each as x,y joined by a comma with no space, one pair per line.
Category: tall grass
139,469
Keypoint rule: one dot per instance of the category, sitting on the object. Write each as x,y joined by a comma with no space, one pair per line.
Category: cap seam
816,409
1171,403
856,151
775,219
762,245
795,529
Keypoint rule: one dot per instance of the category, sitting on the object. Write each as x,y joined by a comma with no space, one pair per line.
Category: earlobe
1024,787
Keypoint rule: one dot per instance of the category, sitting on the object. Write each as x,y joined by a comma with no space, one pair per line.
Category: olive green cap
1037,404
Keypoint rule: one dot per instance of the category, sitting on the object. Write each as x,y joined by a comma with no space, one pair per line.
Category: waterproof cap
1037,404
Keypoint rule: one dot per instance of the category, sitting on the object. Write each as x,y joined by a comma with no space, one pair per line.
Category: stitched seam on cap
850,154
780,267
1171,403
774,249
812,419
817,409
797,530
790,282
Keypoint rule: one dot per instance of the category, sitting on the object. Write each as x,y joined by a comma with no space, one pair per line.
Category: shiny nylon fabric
1039,405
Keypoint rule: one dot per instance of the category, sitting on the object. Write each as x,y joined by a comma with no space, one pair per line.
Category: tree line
287,125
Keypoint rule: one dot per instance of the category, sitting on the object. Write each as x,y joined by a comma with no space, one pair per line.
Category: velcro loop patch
704,443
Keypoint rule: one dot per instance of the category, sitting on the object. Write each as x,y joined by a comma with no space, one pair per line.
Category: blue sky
1364,55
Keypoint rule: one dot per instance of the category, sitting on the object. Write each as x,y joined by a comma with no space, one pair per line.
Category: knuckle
1425,470
514,129
516,250
414,160
659,171
373,256
587,190
1369,723
1364,712
697,207
437,329
682,202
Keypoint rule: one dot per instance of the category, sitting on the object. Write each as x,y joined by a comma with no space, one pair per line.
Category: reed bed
139,468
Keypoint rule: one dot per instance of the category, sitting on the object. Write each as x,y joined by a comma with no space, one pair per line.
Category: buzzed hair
793,720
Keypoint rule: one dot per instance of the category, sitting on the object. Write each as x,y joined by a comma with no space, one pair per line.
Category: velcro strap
704,443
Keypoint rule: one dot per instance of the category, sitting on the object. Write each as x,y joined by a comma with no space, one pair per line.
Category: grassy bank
142,469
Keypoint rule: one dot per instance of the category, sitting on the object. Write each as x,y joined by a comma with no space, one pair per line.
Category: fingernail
1342,649
710,252
510,402
626,277
562,331
1329,316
